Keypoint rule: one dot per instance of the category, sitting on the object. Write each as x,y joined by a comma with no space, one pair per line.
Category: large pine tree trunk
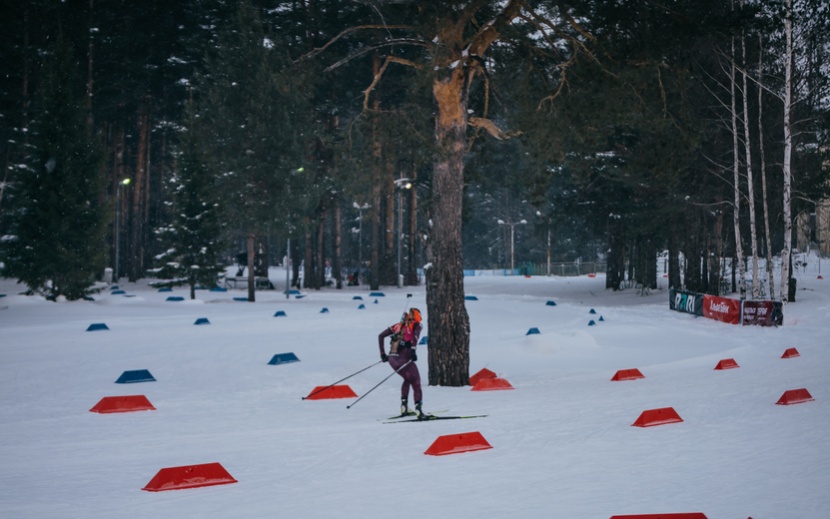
308,254
374,255
390,229
788,148
139,184
449,324
615,266
251,250
377,152
411,277
319,256
674,260
337,231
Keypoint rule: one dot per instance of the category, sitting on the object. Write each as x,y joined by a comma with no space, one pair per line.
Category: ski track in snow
563,444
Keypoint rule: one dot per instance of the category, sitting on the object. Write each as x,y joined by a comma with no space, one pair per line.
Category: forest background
172,139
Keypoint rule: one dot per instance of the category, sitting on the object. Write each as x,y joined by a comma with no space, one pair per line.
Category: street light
512,239
401,183
539,213
124,182
301,169
360,209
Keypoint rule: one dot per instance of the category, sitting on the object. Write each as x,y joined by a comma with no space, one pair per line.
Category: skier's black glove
414,356
383,357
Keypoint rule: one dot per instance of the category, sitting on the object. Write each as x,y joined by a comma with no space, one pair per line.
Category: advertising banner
688,302
722,309
763,313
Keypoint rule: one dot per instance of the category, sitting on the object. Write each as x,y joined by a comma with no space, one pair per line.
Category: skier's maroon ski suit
411,330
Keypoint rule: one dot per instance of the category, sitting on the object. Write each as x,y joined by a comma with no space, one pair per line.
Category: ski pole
378,384
341,380
406,302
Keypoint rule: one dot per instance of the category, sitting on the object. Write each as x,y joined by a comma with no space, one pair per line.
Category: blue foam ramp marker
299,296
175,298
218,289
592,311
377,294
423,340
470,298
280,313
533,331
591,323
117,292
324,310
97,326
283,358
165,289
138,375
240,299
202,320
361,307
358,298
114,287
292,292
551,303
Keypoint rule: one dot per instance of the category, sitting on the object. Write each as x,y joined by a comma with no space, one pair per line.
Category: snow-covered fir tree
56,223
192,242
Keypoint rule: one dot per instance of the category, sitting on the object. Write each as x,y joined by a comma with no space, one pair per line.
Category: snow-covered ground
563,441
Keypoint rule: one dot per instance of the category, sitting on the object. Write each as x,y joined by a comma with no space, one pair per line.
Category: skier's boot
404,407
419,411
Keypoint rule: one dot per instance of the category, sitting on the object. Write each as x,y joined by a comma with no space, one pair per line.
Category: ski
431,417
410,413
404,415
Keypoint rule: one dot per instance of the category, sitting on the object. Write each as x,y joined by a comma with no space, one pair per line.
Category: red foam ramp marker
795,396
323,392
660,416
458,443
123,404
692,515
491,384
790,353
727,364
189,476
627,374
481,374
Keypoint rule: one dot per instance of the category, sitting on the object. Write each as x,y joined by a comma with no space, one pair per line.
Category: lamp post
539,213
512,239
301,169
124,182
401,183
360,209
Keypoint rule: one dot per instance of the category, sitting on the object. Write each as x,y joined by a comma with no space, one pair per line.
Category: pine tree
57,222
254,108
192,241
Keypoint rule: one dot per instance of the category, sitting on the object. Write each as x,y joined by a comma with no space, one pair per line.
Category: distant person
402,354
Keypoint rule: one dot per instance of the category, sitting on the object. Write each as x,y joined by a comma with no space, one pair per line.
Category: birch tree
736,175
750,182
768,237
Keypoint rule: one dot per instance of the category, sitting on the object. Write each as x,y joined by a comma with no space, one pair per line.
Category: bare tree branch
360,52
310,54
491,128
389,59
